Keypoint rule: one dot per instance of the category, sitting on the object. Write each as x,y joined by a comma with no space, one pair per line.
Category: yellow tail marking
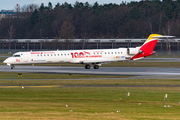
152,36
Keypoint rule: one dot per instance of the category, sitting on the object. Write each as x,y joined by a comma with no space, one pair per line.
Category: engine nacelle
133,51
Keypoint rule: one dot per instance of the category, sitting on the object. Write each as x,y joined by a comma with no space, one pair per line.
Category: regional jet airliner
94,57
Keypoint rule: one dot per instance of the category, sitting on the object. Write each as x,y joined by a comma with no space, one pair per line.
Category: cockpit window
16,56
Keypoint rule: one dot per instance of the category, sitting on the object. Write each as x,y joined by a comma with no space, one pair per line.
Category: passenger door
24,57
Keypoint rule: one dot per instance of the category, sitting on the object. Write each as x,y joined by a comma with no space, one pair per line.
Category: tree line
83,21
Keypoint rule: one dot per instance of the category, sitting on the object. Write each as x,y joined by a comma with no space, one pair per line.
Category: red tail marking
147,50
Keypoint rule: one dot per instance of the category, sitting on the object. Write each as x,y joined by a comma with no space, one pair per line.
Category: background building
6,13
15,45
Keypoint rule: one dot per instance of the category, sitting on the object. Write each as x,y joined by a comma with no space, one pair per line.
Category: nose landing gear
12,67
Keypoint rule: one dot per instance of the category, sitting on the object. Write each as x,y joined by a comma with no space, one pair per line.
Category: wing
98,61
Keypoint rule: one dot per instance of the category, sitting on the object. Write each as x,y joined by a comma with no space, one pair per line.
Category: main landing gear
96,67
87,66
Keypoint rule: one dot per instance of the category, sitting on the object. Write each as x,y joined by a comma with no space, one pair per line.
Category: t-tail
147,48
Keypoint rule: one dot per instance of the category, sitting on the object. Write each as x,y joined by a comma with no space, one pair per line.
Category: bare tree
67,31
149,24
26,8
11,34
160,22
167,30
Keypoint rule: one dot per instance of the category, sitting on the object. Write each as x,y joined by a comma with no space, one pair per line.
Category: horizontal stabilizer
163,36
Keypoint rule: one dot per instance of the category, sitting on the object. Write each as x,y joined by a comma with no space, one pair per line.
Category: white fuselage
70,56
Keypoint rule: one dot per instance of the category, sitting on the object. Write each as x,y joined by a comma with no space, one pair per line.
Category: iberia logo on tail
147,48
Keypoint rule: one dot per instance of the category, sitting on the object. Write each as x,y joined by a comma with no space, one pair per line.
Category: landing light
19,74
70,74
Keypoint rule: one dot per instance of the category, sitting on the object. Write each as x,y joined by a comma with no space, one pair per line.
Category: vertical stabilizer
147,48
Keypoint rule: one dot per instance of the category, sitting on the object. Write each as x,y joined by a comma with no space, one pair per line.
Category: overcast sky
11,4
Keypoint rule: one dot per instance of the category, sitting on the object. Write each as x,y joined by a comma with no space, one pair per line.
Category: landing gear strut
87,66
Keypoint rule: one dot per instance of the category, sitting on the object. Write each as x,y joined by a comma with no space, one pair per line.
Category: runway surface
136,72
159,60
67,86
5,56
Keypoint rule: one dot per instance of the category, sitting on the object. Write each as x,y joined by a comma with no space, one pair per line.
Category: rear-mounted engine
133,51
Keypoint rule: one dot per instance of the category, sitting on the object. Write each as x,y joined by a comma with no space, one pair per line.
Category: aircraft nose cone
5,61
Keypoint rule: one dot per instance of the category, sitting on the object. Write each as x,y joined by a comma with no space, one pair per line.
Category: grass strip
89,103
95,81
